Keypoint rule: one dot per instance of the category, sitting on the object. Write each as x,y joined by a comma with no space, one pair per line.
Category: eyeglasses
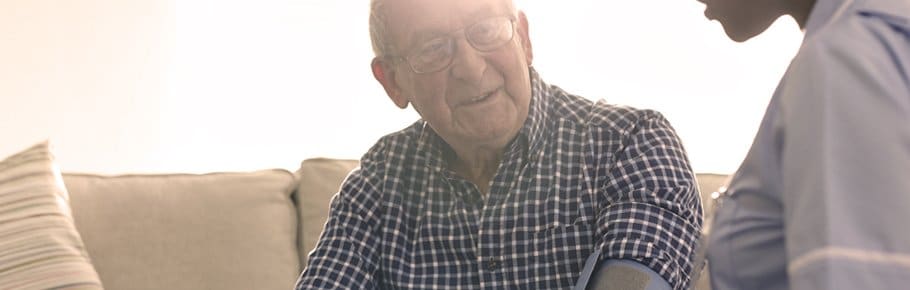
437,54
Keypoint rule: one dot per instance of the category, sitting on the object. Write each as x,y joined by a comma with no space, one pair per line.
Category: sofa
229,230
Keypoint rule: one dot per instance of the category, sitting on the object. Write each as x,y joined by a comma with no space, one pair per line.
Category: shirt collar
535,128
896,12
529,140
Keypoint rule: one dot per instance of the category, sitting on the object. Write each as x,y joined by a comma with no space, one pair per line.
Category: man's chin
497,138
491,138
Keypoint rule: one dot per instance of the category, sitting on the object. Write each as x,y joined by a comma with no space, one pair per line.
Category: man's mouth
479,99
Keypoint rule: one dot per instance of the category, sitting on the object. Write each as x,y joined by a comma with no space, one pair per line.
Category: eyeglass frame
451,35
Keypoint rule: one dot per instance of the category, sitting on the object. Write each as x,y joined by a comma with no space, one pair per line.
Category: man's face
482,97
742,19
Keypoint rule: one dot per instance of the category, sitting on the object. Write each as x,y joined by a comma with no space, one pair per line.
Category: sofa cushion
709,183
183,231
320,179
39,245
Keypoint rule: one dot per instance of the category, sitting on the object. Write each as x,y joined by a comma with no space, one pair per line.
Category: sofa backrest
214,231
181,231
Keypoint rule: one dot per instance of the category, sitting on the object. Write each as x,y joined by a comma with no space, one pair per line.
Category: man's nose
468,63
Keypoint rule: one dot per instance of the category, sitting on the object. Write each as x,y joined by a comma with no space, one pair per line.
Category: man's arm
652,214
345,254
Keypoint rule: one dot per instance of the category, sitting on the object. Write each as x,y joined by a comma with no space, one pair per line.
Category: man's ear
385,75
524,37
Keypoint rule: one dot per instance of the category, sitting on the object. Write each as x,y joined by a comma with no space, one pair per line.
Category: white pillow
39,245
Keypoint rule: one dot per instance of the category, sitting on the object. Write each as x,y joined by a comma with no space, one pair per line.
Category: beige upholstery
320,179
707,184
213,231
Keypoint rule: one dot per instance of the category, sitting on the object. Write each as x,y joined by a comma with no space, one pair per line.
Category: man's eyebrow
424,36
427,35
477,15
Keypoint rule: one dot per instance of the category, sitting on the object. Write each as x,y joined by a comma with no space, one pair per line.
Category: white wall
204,85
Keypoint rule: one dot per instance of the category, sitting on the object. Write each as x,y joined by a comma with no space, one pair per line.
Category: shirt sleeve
846,159
344,257
652,211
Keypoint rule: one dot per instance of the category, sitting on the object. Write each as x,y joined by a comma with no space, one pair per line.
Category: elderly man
506,182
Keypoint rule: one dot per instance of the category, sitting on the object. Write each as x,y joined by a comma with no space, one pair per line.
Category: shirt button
492,264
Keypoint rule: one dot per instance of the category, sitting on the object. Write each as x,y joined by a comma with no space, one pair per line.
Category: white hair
378,29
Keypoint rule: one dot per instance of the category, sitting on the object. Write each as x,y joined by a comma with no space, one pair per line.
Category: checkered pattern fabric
580,175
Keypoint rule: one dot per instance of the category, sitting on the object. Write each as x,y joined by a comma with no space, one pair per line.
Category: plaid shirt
580,175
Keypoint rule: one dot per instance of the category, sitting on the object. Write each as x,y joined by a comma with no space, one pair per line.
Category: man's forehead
448,6
409,20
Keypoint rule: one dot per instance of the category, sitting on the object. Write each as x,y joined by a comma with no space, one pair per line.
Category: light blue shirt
822,200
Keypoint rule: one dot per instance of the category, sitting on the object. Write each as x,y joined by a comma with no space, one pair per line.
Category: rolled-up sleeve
652,213
345,255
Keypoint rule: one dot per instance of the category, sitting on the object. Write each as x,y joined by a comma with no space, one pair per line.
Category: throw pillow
39,245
